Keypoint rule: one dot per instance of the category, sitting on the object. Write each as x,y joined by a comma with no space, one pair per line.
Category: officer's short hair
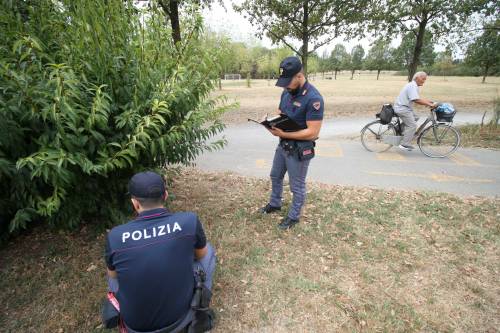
419,74
150,202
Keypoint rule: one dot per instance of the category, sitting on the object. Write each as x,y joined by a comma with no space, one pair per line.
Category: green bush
92,92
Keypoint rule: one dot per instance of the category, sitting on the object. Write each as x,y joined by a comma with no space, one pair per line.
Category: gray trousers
409,119
297,172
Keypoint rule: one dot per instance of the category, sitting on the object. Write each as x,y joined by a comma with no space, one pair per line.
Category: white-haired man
403,108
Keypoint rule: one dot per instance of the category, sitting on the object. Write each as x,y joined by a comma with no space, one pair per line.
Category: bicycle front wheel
439,140
372,136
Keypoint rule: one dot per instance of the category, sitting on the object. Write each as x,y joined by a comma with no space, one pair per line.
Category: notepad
282,122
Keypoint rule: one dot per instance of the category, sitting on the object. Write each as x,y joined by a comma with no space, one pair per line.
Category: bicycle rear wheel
372,136
439,140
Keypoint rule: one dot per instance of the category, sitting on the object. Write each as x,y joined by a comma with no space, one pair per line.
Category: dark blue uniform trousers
297,172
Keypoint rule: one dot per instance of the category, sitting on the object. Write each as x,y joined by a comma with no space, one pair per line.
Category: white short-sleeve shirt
408,94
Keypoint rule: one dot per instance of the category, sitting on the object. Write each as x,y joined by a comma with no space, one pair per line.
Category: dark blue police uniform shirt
305,106
153,256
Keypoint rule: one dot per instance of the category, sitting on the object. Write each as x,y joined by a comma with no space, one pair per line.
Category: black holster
303,150
204,317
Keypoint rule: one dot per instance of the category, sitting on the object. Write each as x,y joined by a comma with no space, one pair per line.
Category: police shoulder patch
317,105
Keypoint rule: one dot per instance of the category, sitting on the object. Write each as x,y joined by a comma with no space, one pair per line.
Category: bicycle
438,140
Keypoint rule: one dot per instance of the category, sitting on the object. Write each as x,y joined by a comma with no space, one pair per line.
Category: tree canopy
436,18
484,52
380,56
311,23
356,59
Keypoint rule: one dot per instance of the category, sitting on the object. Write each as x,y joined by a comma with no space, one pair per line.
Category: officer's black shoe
268,209
287,223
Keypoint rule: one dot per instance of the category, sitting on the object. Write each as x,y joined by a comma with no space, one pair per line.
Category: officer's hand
276,131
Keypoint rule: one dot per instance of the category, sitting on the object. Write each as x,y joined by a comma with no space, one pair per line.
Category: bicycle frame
430,119
430,133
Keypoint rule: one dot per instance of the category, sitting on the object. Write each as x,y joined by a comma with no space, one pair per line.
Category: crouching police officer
302,102
155,260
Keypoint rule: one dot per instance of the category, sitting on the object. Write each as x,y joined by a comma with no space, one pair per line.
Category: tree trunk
417,51
336,70
485,74
172,11
378,73
305,37
352,74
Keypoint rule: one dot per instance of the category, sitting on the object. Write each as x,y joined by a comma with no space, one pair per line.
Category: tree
267,68
444,62
484,52
379,56
93,92
313,63
171,9
437,17
223,44
324,63
403,55
339,58
277,55
258,56
306,21
356,59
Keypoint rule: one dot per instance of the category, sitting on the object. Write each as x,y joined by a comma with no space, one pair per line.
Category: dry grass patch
480,136
360,260
362,96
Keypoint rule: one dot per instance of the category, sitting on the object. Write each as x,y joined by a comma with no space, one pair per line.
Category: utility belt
303,150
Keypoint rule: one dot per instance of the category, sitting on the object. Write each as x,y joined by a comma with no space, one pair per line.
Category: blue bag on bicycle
445,112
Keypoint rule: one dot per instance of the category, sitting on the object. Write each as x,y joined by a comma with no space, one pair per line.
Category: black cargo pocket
305,150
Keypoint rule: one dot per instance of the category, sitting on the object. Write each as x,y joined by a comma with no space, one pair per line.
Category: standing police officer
152,260
302,102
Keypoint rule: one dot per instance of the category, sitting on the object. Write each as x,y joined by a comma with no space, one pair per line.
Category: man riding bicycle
403,108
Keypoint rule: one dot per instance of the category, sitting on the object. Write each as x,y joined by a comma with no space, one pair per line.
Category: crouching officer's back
153,260
302,102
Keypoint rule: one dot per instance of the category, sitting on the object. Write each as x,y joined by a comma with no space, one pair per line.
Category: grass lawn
362,96
361,260
477,136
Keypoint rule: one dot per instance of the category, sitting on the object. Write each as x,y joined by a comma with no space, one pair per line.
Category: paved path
339,161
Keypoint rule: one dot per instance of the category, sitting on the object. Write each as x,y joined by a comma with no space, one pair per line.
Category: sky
226,20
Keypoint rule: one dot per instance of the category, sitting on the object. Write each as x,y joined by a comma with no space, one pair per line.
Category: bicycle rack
392,139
